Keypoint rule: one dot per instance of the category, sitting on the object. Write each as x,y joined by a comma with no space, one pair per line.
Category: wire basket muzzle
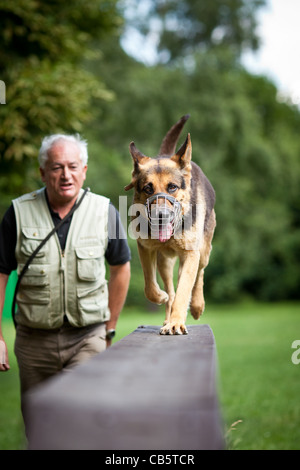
164,218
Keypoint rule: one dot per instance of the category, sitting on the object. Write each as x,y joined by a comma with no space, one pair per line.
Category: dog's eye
172,187
148,189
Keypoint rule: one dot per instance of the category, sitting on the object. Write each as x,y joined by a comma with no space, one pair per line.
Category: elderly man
66,312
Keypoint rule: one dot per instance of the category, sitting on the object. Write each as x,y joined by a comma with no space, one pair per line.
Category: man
66,313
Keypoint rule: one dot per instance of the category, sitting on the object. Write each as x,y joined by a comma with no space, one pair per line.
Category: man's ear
85,170
42,173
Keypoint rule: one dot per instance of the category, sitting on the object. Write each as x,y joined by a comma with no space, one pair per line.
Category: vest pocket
89,263
93,302
31,238
34,288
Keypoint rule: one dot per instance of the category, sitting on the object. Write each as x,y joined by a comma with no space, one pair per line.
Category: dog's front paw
174,328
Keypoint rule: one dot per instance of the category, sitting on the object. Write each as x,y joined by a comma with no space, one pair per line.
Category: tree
182,28
244,139
247,144
42,47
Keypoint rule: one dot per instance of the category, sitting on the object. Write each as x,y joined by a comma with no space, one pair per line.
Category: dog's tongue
165,232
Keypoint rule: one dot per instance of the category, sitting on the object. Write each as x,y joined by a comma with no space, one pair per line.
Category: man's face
64,173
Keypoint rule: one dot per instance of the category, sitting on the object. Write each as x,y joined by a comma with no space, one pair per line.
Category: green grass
11,423
259,386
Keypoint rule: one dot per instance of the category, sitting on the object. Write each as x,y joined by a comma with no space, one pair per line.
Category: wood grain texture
145,392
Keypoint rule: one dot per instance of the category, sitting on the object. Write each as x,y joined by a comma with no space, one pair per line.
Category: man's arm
4,364
117,291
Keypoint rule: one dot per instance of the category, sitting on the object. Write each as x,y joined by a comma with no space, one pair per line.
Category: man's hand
117,291
4,364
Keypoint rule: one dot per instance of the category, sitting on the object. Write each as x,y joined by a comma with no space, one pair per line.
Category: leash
43,242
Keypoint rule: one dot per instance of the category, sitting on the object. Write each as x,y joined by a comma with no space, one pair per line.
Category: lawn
259,386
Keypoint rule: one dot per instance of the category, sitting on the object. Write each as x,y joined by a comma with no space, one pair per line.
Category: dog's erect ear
183,156
169,142
138,159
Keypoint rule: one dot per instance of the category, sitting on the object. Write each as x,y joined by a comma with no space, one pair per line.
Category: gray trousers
43,353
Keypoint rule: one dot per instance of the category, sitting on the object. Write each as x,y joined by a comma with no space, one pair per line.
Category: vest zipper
63,273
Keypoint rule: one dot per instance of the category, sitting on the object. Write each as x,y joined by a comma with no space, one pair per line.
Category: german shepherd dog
176,218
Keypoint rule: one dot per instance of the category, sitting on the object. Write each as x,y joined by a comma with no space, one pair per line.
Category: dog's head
162,183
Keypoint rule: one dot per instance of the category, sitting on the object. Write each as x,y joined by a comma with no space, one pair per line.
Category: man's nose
66,172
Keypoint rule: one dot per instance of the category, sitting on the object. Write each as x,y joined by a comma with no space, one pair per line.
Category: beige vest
71,283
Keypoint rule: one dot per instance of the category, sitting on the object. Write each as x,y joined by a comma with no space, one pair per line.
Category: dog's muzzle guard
164,219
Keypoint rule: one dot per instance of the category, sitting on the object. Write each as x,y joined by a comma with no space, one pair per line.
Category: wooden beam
145,392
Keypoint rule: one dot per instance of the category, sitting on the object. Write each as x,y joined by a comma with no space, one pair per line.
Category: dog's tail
169,142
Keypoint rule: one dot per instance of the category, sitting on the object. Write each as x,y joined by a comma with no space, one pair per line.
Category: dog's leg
197,303
189,266
149,262
165,265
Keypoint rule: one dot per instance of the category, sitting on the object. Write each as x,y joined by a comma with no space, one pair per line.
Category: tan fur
192,248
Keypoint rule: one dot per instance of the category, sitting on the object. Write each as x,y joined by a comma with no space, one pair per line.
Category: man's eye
172,188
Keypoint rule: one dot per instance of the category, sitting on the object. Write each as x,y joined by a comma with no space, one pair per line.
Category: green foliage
247,144
188,26
53,30
42,48
64,70
244,139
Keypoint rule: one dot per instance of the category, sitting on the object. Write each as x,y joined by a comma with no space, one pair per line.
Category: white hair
49,141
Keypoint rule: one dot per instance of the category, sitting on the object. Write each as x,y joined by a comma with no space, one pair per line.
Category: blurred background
65,70
123,70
